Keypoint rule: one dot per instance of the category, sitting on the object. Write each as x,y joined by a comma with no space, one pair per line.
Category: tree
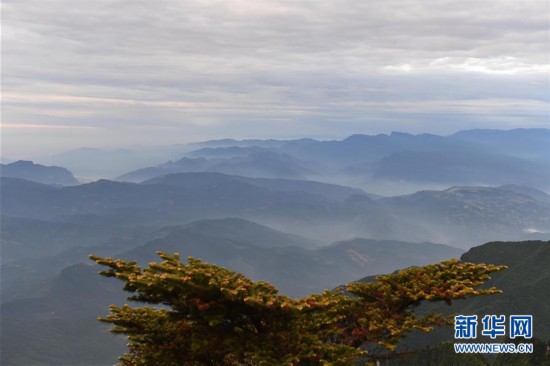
202,314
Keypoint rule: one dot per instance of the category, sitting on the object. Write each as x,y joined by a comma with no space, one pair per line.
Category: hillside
53,175
526,290
60,327
288,261
524,285
458,216
484,212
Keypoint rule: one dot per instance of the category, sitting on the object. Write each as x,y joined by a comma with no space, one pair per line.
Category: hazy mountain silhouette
257,164
28,170
459,167
526,143
474,157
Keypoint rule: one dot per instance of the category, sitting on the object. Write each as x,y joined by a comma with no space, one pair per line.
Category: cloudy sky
108,73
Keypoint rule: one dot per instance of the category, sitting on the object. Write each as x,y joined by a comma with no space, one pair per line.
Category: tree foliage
202,314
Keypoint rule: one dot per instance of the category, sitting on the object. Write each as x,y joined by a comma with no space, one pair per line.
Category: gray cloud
174,71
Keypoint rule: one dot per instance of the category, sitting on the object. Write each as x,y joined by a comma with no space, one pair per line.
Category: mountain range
303,214
384,164
457,216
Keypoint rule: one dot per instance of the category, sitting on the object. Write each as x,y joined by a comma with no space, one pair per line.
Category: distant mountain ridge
473,157
262,164
53,175
527,143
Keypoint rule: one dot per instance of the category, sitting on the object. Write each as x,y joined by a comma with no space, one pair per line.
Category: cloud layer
107,72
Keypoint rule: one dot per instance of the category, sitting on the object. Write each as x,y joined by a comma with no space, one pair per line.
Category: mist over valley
304,215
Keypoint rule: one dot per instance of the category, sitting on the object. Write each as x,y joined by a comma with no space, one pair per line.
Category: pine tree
202,314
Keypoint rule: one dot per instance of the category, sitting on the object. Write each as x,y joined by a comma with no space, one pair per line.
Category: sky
108,73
